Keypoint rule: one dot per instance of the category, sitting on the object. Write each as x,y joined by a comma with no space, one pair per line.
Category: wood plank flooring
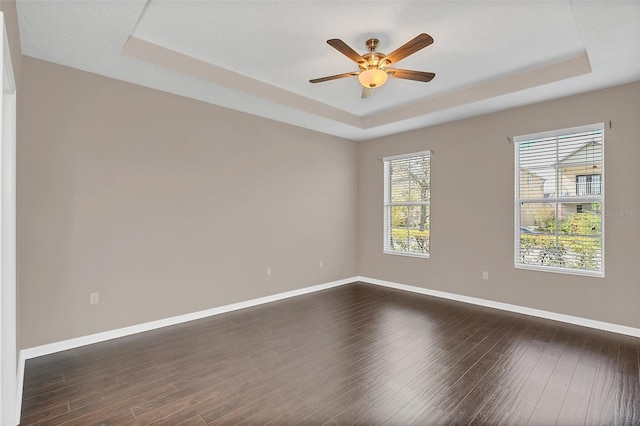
355,354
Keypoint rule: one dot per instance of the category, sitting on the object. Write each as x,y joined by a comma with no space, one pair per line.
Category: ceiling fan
374,66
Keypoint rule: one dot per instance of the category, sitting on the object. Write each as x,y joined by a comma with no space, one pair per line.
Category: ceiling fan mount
372,44
374,66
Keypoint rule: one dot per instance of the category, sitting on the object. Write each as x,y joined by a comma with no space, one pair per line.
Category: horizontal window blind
407,192
559,198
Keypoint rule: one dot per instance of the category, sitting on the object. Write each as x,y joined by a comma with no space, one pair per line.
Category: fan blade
411,75
367,92
333,77
343,48
420,42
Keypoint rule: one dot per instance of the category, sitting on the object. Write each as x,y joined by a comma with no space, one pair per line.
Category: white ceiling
258,56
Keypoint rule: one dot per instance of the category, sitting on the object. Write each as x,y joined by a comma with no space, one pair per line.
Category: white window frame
586,199
10,377
388,204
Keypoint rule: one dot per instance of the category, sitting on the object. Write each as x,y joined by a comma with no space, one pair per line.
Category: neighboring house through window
407,190
559,222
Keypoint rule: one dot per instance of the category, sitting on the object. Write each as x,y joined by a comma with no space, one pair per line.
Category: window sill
400,253
579,272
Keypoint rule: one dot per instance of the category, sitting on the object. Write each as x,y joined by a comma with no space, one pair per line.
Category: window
563,214
407,189
588,184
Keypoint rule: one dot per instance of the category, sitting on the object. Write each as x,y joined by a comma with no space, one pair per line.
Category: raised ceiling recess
258,57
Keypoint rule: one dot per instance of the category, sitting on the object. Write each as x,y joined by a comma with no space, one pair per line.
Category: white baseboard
51,348
585,322
47,349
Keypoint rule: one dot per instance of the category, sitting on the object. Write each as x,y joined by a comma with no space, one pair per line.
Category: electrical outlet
268,270
321,264
485,275
94,298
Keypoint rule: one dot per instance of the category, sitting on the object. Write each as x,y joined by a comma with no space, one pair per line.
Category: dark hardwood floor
356,354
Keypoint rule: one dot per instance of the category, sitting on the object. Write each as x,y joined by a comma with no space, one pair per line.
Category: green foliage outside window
576,246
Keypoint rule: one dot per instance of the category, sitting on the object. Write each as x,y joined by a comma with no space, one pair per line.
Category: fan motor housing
374,58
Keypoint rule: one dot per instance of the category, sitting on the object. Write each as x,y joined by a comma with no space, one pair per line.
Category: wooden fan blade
420,42
367,92
333,77
343,48
411,75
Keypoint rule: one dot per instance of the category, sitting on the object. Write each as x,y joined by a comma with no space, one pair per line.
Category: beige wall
166,205
472,212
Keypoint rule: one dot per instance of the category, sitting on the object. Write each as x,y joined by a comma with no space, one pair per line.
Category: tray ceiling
258,56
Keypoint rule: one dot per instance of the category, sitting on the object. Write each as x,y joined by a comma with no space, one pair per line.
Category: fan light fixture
373,77
374,66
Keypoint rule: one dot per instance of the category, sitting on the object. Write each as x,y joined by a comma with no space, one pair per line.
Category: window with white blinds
559,201
407,189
